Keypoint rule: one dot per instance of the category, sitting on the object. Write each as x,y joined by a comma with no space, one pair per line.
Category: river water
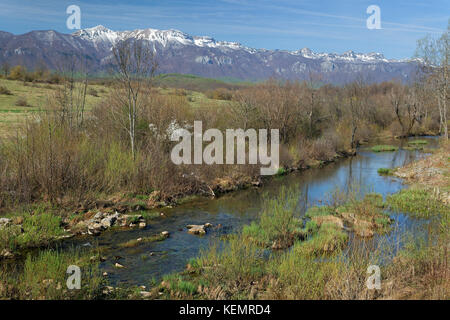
153,260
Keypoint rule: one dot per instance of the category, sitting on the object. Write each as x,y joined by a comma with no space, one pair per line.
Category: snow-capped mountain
179,52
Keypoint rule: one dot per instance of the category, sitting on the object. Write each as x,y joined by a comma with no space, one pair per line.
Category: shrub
93,92
220,94
5,91
278,218
18,73
21,102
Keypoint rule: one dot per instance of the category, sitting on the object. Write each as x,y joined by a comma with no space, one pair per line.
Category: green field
36,96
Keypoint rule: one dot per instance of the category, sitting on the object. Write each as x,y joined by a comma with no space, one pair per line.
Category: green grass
319,211
418,142
327,239
314,268
384,171
189,82
417,202
177,284
148,215
278,219
384,148
44,276
36,96
39,229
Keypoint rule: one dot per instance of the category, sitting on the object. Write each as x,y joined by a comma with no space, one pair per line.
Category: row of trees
435,55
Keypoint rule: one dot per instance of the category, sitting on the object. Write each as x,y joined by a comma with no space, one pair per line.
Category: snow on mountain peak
101,35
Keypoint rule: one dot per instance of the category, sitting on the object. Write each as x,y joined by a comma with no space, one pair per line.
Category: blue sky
323,26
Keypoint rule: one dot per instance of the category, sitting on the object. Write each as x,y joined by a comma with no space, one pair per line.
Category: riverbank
43,224
319,263
323,235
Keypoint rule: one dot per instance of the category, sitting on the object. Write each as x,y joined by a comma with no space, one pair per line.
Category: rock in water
196,229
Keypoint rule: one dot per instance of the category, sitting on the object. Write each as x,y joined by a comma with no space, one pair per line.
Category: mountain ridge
179,52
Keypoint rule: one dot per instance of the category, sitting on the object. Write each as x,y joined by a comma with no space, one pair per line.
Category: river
233,210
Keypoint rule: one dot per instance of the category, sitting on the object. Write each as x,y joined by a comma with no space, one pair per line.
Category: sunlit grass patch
177,285
384,148
319,211
418,202
36,230
418,142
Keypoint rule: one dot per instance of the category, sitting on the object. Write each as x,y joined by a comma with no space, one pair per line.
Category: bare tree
311,87
357,96
71,95
435,54
135,66
406,106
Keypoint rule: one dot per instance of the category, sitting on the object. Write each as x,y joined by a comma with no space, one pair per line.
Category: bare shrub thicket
123,144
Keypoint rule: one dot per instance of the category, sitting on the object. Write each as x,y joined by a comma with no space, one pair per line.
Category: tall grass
44,276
